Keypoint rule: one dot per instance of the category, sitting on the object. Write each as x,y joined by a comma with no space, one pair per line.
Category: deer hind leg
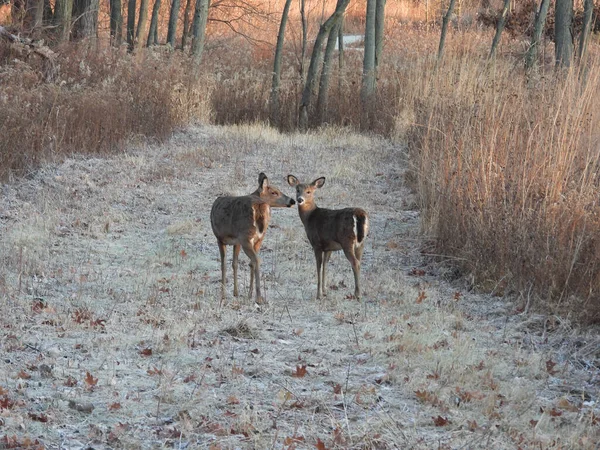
254,271
236,254
326,257
355,262
319,260
222,252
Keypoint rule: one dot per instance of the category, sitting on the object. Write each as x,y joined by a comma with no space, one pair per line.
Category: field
114,334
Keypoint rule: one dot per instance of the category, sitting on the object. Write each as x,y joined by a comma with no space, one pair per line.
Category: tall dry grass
507,169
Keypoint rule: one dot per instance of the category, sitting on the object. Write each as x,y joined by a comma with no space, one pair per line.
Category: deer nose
292,202
300,200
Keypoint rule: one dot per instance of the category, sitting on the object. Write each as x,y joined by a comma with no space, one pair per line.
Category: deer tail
362,225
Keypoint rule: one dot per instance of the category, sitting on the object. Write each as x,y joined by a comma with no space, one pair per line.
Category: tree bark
274,97
86,19
131,4
588,12
173,18
323,98
116,22
368,76
563,33
186,24
141,26
445,22
540,22
304,40
199,32
62,19
311,76
499,29
379,30
341,54
153,32
34,15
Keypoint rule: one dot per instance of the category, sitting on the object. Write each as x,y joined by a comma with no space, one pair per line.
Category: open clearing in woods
109,289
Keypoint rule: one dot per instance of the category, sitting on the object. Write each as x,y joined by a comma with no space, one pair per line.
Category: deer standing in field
330,230
243,222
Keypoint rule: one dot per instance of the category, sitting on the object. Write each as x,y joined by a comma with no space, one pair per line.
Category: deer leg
355,268
326,257
255,272
358,250
222,251
319,258
236,254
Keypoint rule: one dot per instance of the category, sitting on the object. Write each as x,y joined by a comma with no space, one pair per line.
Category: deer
242,222
330,230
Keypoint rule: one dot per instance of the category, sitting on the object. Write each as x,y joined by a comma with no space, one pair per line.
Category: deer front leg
254,272
319,258
236,254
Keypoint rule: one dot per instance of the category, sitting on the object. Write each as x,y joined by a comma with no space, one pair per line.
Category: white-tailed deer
330,230
243,222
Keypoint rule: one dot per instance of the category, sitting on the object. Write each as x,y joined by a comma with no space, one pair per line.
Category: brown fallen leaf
41,417
300,371
90,380
440,421
114,406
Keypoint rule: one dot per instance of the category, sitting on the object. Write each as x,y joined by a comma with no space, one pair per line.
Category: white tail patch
355,229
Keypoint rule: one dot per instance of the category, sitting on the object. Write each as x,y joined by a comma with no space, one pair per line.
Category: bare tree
304,38
341,54
588,12
131,4
540,22
379,30
445,22
324,30
63,10
153,32
34,15
368,76
173,18
141,25
499,28
323,97
199,31
186,23
563,33
116,22
274,97
86,19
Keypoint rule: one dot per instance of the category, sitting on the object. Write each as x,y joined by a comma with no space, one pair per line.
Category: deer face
305,192
273,196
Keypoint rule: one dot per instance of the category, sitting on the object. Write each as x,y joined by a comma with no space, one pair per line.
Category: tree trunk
131,4
588,12
540,22
141,26
173,18
499,29
48,14
379,30
304,40
368,76
341,54
34,14
323,98
62,19
86,19
563,33
311,76
274,98
199,29
186,24
445,22
116,22
153,32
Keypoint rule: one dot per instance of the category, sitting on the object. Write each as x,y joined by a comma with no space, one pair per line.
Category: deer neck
305,210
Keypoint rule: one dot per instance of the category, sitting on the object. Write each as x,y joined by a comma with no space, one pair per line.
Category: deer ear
292,180
319,182
263,181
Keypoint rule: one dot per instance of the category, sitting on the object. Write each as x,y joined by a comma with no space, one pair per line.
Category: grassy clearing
114,273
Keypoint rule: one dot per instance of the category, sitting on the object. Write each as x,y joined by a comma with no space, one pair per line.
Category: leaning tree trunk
368,76
304,21
131,4
116,22
323,98
311,76
86,19
199,29
499,29
153,32
588,12
540,22
63,10
186,24
173,18
445,22
563,33
274,97
379,30
141,26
